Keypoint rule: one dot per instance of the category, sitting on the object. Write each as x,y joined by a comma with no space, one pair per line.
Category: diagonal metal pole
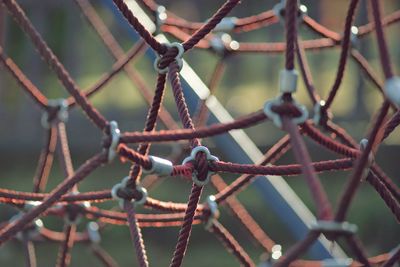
237,147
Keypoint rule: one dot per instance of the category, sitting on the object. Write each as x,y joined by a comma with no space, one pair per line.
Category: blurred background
249,80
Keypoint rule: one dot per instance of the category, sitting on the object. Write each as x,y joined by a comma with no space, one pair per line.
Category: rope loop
298,112
57,110
121,192
192,158
212,206
177,58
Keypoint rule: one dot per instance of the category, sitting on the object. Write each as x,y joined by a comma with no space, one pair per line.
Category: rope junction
201,167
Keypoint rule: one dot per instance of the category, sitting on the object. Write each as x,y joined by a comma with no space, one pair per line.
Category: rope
65,200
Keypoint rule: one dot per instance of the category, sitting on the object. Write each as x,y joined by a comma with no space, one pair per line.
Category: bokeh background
248,81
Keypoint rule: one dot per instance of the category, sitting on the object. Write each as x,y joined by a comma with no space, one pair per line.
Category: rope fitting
115,134
61,107
227,24
214,212
160,166
371,158
288,81
161,16
332,227
123,186
92,229
192,157
178,57
28,233
276,118
74,211
222,42
337,262
392,90
321,115
279,11
354,36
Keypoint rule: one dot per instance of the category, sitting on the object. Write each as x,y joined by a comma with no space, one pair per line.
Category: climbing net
200,166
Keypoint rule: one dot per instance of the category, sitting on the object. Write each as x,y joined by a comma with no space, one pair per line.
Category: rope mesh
67,202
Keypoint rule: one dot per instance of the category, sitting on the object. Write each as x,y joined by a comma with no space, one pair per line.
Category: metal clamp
276,118
62,112
334,227
214,212
288,81
279,8
227,24
178,57
122,185
192,157
29,233
115,134
392,90
92,229
337,262
160,166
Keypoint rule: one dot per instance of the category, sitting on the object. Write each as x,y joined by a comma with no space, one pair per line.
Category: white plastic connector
288,81
121,185
115,134
392,90
227,24
161,17
178,58
332,226
160,166
214,212
318,112
337,262
62,113
85,205
276,118
30,232
354,35
279,7
371,158
192,157
93,232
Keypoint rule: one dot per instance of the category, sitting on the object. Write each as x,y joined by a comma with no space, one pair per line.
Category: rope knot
200,157
121,192
56,110
174,53
278,107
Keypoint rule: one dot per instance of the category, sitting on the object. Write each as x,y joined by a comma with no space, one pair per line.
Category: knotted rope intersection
201,166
